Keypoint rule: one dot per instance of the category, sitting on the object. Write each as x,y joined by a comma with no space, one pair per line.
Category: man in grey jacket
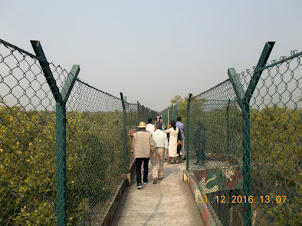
142,146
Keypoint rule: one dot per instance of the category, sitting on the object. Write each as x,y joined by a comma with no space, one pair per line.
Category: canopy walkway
65,148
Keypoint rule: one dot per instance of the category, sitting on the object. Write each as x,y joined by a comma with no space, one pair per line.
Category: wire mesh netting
215,142
173,113
27,131
215,126
95,159
165,117
169,114
94,152
245,154
145,113
261,183
132,123
276,149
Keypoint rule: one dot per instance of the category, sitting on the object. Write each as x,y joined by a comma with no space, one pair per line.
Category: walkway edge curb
206,210
112,207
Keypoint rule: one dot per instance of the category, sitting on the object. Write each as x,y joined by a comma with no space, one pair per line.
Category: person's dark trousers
139,170
200,155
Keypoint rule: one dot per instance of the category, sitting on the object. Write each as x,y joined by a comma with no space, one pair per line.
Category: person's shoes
196,163
139,186
145,182
155,181
184,158
161,178
203,164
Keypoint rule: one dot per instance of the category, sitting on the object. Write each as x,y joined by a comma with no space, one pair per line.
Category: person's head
173,124
149,120
158,126
200,125
178,118
142,126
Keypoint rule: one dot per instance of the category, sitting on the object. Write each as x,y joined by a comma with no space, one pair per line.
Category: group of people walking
159,143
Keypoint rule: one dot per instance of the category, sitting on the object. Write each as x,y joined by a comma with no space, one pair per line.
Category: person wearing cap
160,144
142,147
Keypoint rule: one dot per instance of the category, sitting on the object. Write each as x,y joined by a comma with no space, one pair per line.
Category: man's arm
166,142
132,147
152,145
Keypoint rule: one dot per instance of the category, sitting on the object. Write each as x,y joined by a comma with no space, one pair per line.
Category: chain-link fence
145,113
244,143
173,112
169,114
64,144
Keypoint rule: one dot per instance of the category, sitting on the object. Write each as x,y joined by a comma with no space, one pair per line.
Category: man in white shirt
158,159
150,127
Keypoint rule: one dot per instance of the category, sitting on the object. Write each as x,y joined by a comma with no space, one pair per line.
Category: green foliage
27,173
28,164
276,153
95,160
214,119
182,106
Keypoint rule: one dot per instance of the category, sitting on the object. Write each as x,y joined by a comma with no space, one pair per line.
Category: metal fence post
61,99
138,115
228,127
244,103
61,163
124,133
168,116
247,128
188,129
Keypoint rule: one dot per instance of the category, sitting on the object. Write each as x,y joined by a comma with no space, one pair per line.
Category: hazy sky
153,50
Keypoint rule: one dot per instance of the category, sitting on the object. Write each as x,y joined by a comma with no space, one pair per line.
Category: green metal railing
244,143
64,144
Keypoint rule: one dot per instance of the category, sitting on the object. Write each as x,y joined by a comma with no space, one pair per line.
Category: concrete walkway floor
169,202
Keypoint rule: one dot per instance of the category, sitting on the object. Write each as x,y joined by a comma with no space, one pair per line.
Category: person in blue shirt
181,127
